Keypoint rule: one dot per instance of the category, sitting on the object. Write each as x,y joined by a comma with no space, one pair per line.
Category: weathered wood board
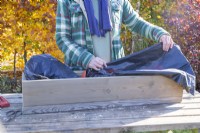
133,118
152,89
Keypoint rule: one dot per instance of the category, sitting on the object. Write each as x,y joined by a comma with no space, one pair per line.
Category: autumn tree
151,11
183,21
27,28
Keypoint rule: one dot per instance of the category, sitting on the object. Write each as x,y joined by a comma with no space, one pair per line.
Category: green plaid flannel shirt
73,35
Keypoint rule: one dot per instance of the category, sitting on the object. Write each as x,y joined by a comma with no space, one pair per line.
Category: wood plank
80,90
13,98
185,115
2,128
195,101
186,103
105,105
148,110
186,95
114,114
12,95
17,97
148,124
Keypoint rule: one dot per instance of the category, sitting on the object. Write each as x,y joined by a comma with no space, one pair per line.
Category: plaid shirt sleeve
138,25
75,54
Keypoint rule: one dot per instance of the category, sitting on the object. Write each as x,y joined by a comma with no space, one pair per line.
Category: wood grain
100,105
84,90
135,118
148,124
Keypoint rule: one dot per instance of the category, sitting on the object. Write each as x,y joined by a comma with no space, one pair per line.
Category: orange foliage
29,28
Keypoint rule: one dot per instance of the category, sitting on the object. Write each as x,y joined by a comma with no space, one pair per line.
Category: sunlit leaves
29,27
184,23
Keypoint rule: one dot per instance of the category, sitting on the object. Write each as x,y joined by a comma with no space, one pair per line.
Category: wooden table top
147,117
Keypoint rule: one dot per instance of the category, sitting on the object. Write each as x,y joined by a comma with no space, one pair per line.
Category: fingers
172,43
95,68
167,42
101,62
97,63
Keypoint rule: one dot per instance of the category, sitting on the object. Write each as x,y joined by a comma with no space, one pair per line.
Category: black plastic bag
152,61
47,67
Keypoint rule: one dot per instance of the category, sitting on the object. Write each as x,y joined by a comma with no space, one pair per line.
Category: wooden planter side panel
86,90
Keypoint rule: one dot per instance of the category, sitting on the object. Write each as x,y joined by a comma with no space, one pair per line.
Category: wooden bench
112,119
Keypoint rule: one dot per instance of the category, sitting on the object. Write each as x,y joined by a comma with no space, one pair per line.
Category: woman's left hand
167,42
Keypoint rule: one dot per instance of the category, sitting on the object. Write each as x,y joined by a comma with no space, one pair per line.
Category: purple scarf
104,24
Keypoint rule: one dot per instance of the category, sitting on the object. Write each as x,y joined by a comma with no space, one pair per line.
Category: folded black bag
45,66
152,61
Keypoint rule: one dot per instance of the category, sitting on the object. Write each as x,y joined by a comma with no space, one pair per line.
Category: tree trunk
25,53
14,71
138,7
133,39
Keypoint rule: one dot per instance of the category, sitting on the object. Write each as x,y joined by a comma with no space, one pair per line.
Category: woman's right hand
97,63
